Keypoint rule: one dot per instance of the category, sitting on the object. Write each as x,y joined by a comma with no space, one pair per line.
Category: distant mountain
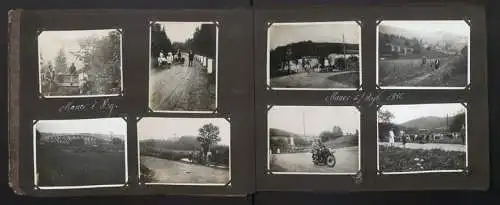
180,143
429,122
427,37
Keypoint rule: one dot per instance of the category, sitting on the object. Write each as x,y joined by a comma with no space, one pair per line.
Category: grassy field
411,72
395,159
60,165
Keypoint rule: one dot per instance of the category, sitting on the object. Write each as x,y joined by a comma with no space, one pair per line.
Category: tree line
202,42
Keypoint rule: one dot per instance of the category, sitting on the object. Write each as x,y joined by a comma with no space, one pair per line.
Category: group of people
51,78
434,62
407,138
170,58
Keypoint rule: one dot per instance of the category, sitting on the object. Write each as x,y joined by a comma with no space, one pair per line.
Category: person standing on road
191,58
391,137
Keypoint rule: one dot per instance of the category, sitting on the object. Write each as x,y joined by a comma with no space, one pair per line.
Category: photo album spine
14,30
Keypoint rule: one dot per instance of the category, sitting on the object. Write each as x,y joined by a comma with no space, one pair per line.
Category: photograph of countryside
81,152
80,62
314,139
422,137
423,53
184,150
318,55
183,66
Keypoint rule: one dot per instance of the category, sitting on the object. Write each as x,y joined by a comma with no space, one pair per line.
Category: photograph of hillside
423,53
422,137
184,150
314,55
303,138
80,152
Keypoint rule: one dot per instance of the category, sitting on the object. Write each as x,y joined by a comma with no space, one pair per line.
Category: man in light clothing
391,137
83,79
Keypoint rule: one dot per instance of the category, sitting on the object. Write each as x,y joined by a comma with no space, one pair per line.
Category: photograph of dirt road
184,150
422,138
423,53
183,67
80,63
313,139
83,152
318,55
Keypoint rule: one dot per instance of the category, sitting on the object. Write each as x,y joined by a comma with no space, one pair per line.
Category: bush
394,159
147,175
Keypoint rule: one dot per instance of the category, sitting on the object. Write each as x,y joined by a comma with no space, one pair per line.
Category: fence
206,62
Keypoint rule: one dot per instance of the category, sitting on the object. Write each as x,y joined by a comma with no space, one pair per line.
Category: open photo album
233,102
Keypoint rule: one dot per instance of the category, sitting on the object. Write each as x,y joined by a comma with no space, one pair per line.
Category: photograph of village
321,55
183,67
313,139
422,138
184,150
83,152
80,63
423,53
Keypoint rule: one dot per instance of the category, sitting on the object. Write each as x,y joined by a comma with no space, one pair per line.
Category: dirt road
182,88
347,162
346,79
429,146
167,171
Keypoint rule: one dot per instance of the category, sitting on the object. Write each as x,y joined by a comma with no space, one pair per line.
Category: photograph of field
183,67
320,55
80,152
422,138
80,62
314,139
423,53
184,150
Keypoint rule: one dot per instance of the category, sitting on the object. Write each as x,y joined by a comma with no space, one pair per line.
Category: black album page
131,102
371,98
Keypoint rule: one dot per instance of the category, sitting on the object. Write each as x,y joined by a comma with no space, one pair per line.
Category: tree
457,123
159,40
61,64
385,116
208,136
337,132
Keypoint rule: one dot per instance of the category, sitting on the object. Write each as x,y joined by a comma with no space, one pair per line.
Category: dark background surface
271,198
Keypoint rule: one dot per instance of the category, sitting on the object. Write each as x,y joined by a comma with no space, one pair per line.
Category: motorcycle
324,156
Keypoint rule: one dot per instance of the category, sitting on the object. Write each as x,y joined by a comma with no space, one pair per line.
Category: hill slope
426,123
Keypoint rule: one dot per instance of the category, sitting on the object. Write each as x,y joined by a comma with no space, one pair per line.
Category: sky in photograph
457,27
164,128
101,126
404,113
50,42
180,31
283,34
317,118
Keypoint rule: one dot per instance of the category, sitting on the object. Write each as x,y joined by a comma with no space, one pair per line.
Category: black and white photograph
183,66
313,139
430,54
80,153
184,151
422,138
314,55
80,63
